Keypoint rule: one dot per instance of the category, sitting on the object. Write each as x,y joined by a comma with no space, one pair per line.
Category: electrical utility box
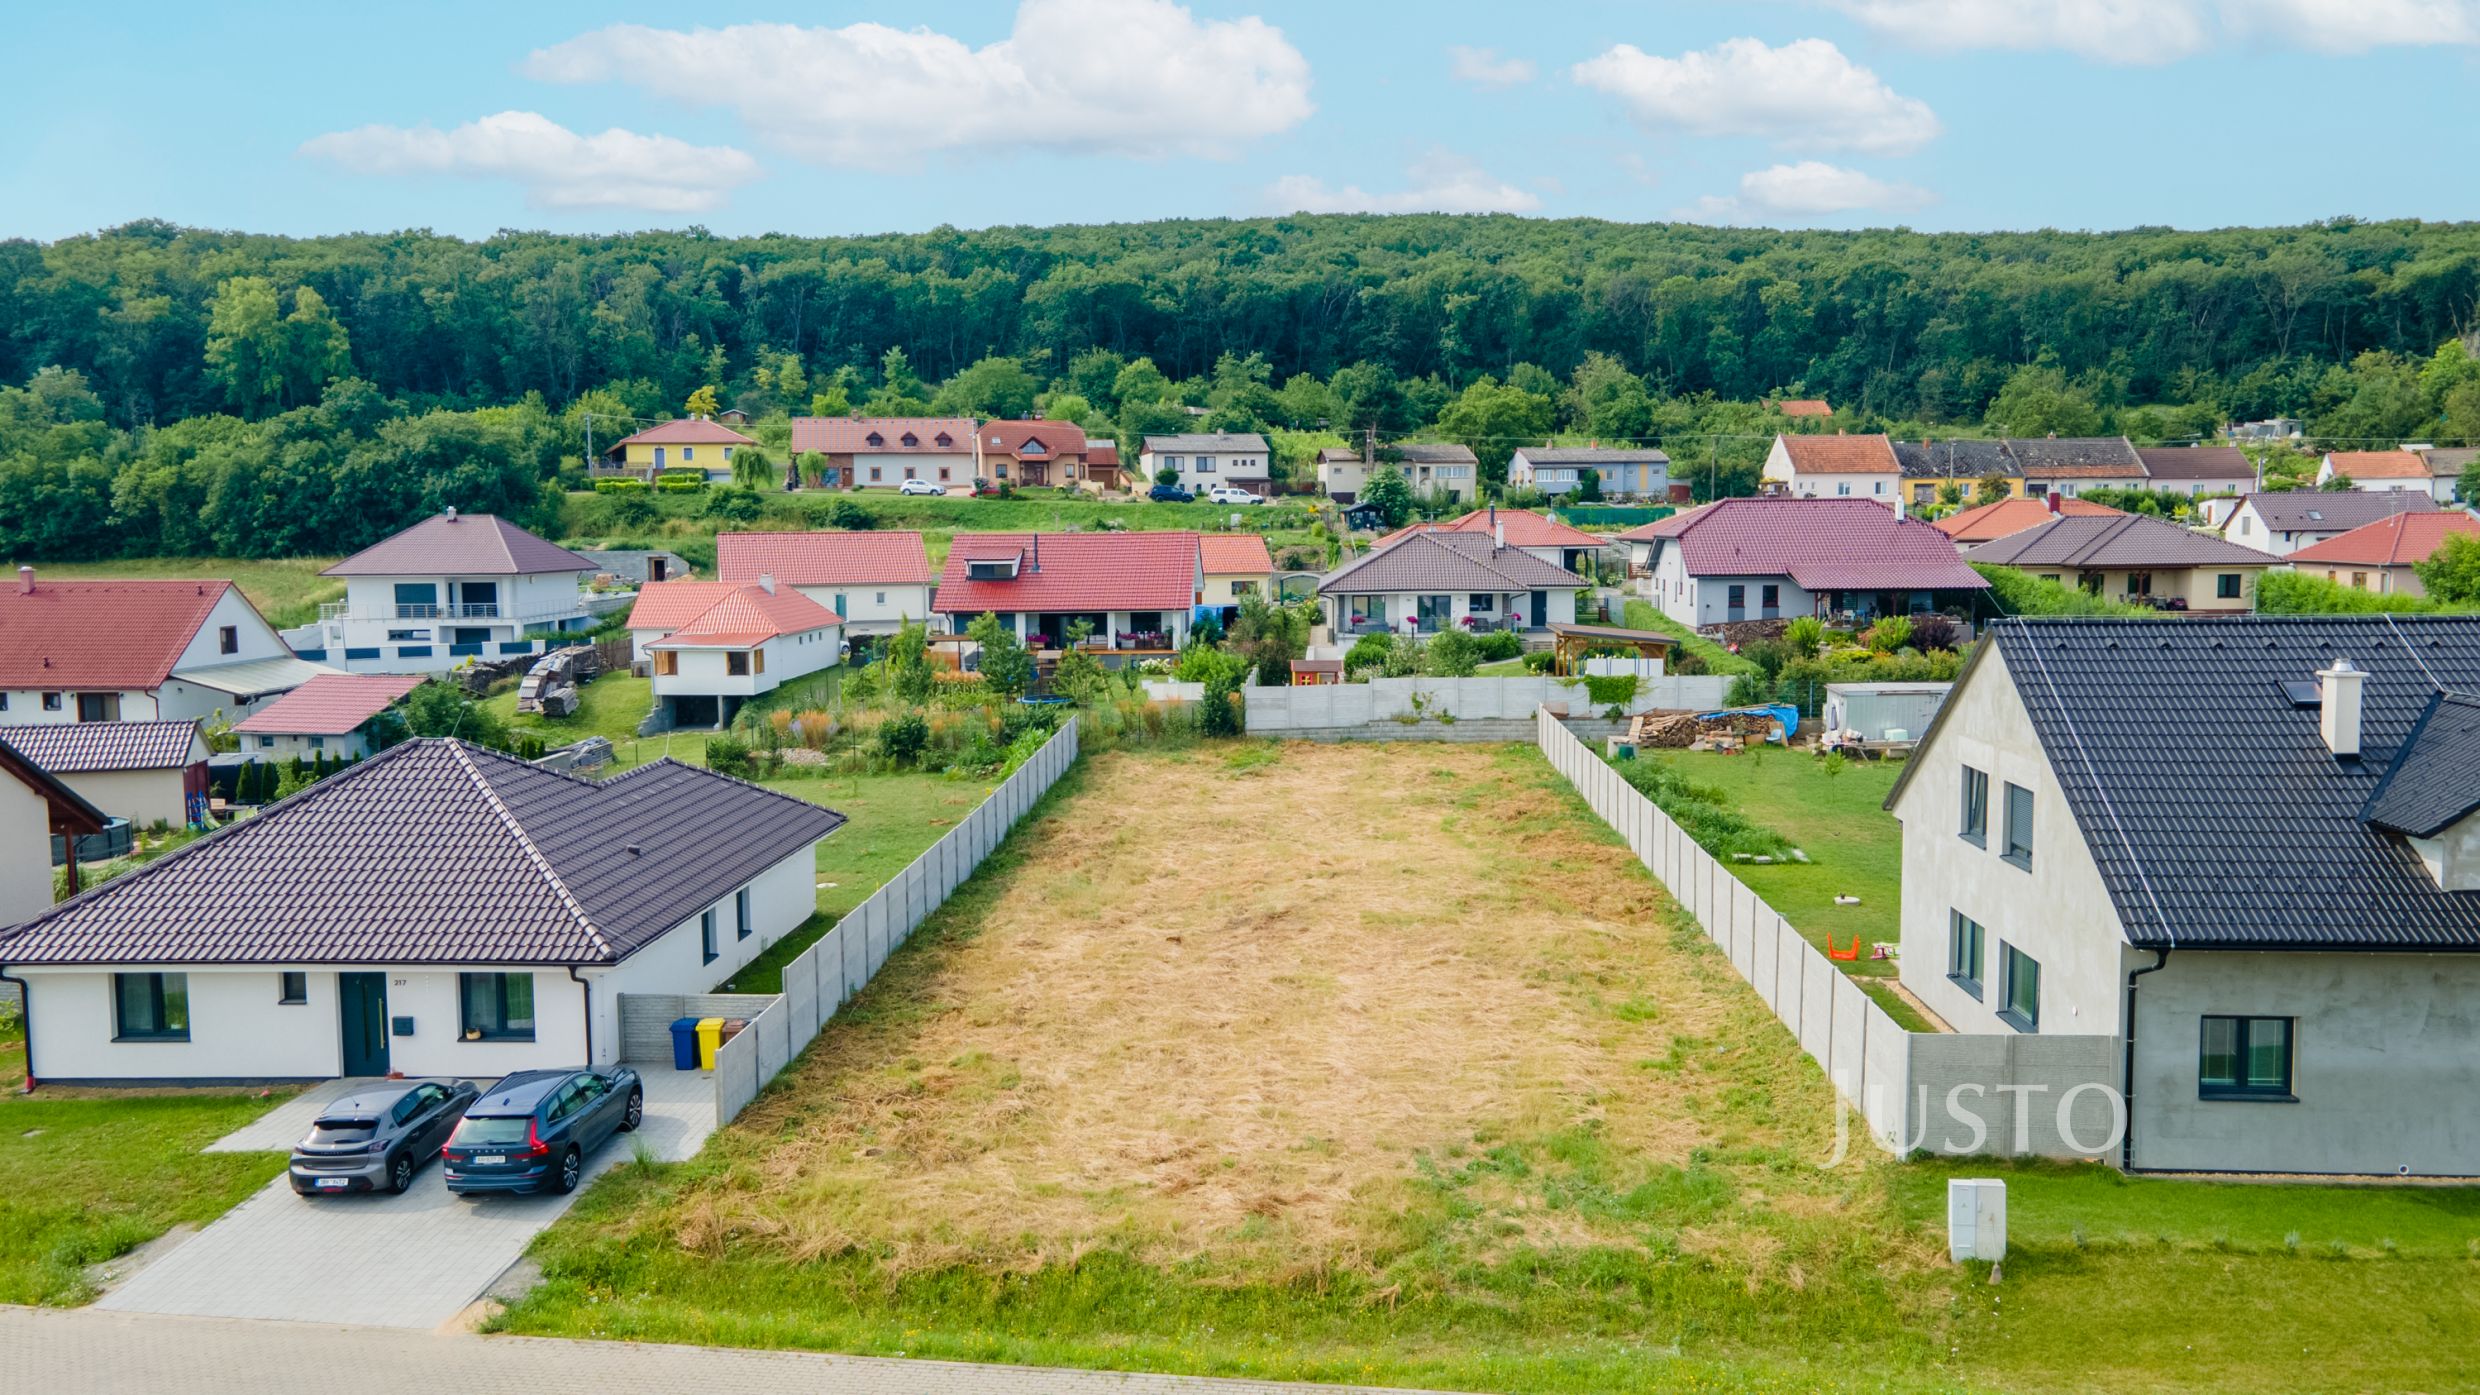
1976,1219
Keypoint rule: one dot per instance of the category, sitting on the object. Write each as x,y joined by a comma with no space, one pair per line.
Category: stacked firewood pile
1678,731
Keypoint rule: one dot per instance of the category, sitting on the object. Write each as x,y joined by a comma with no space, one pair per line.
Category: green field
609,707
287,590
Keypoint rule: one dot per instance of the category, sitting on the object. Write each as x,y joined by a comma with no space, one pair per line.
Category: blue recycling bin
684,1043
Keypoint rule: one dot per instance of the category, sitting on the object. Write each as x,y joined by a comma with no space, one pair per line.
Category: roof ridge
462,751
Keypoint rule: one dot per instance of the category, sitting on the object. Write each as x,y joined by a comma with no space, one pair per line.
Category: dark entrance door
1541,609
361,1002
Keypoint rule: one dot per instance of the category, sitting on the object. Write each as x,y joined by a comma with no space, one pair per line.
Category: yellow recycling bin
710,1036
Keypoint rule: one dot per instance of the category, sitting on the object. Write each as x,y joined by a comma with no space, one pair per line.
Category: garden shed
1880,710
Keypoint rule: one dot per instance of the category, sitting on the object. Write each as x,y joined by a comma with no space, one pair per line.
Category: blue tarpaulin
1782,712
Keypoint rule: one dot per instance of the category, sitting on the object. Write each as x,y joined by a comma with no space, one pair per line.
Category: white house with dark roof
2132,558
137,651
884,452
877,580
2280,926
451,589
150,773
35,808
473,915
1204,460
2283,523
1623,472
1427,582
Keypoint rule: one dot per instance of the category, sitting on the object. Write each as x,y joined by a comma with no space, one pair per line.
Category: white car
1232,494
919,487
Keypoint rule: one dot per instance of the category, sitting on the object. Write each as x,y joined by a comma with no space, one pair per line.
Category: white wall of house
1790,479
1227,588
29,705
178,701
367,634
2248,528
250,638
2037,485
707,672
1639,478
1454,481
1401,608
2058,912
2200,587
25,853
144,797
1174,623
1202,471
780,899
885,470
873,608
1706,600
280,746
1342,477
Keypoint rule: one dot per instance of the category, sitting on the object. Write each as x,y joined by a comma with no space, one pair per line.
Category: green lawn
1641,615
287,590
609,707
85,1179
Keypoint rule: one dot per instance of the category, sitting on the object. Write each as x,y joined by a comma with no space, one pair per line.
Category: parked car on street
532,1132
920,487
1233,494
1170,494
378,1137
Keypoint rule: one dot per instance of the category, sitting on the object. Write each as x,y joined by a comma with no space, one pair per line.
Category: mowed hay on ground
1265,1004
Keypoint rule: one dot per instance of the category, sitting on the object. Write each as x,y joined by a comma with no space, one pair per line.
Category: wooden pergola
1570,643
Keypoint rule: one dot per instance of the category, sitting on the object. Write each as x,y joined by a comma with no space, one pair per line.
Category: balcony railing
346,610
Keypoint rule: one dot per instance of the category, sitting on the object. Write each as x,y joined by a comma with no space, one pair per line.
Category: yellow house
1930,467
1234,565
689,443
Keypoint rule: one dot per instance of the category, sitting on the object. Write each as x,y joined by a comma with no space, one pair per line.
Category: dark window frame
706,936
292,988
1964,970
161,1004
228,639
741,916
2017,852
2010,1011
2226,586
503,1032
2244,1026
1975,812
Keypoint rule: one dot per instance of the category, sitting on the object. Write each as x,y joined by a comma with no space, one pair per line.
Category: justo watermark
1973,1118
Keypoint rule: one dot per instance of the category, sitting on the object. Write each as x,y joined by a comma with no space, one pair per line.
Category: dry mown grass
1244,1012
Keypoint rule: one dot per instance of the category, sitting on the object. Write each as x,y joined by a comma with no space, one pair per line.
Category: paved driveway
414,1260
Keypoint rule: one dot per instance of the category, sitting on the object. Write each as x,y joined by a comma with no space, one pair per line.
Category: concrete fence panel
1886,1080
1847,1061
801,993
1761,968
1817,980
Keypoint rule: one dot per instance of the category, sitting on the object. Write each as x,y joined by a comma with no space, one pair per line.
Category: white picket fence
824,977
1904,1083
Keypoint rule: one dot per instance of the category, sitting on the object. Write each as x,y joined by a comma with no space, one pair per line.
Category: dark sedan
378,1137
532,1132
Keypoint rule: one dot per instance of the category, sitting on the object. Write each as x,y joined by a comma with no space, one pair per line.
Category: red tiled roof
99,634
1525,528
2006,516
824,559
1662,527
2379,465
1822,544
1101,452
1842,455
1078,572
687,431
1804,407
1032,440
1234,554
332,704
2398,541
460,544
668,605
851,435
750,615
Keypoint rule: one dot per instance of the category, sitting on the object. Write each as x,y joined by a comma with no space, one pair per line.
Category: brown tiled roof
1436,453
687,431
2331,510
81,748
460,544
2395,541
1841,455
2379,465
1821,544
332,704
1033,440
2197,463
439,852
99,634
2130,540
892,558
2076,457
1101,452
1804,407
1438,561
852,435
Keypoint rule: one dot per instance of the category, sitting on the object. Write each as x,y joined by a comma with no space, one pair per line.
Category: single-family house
1972,527
1426,582
690,443
1776,557
2285,522
884,452
2379,556
450,588
2197,471
1621,472
748,639
2136,559
1133,591
2383,471
1803,408
2074,464
137,651
333,935
1439,469
1833,467
35,808
1234,565
1979,470
2283,934
665,606
331,715
1341,474
1032,453
1562,545
876,580
154,774
2446,465
1204,460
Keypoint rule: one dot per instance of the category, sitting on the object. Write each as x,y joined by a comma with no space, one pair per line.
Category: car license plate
334,1184
491,1160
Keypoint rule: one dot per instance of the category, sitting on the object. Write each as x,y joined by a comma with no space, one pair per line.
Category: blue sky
872,115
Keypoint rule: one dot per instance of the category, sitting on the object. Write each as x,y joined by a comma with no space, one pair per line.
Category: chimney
25,581
766,582
1036,564
2338,697
1498,532
2051,498
452,513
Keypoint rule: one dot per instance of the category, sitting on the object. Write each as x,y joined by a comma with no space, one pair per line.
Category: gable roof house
472,915
884,452
698,443
1629,472
2070,465
2283,523
1031,452
1803,408
2198,470
450,588
1778,556
1137,591
328,716
2379,556
1233,565
1972,527
1427,581
2446,465
1833,467
1443,469
722,643
2382,471
2279,931
1102,471
1341,473
36,807
154,774
1974,467
2136,559
1203,460
876,580
1562,545
110,651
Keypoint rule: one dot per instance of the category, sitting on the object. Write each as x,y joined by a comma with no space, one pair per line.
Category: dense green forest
182,390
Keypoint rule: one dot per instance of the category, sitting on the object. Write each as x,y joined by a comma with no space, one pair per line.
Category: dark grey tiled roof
2435,778
2197,463
2253,837
78,748
2092,455
1435,453
2127,540
2334,511
1430,561
1957,459
1208,441
439,852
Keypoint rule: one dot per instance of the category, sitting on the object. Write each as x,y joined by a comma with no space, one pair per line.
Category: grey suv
533,1131
378,1137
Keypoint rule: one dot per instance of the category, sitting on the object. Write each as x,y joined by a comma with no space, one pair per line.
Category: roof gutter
2127,1066
25,1011
586,995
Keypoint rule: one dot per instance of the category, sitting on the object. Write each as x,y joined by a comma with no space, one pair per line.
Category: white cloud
557,167
1128,77
1442,182
2161,31
2355,26
1805,93
1482,67
1801,192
